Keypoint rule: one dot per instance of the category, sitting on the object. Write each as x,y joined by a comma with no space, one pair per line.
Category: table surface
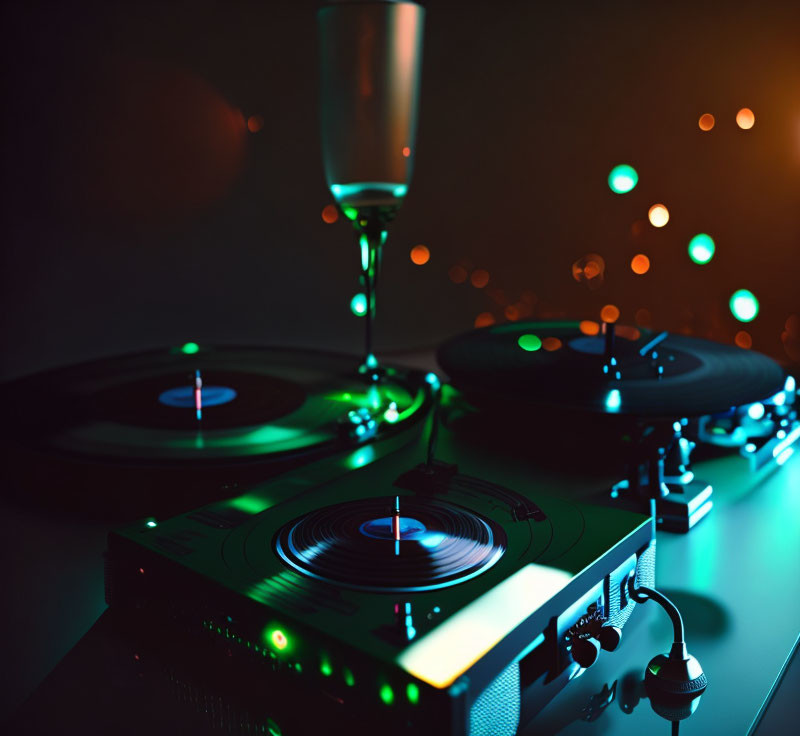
734,577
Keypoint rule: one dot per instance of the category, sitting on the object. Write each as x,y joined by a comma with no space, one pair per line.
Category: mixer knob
585,651
610,637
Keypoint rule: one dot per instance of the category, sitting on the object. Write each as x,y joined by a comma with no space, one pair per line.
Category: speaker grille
496,710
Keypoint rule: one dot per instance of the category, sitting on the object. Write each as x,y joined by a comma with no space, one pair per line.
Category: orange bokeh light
330,214
640,264
511,313
628,332
457,274
743,339
484,319
406,151
609,313
420,255
588,327
550,344
706,121
255,123
658,215
479,278
745,118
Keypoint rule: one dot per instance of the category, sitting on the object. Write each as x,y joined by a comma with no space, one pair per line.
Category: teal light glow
744,305
364,189
190,348
391,415
387,694
412,693
530,343
756,411
152,524
433,380
613,400
622,179
358,305
701,248
372,361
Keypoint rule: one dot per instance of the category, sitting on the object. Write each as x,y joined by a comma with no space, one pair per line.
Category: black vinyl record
168,423
652,375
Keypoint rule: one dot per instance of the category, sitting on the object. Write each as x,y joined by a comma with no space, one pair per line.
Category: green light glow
152,524
356,191
622,179
358,305
190,348
325,668
391,415
529,342
250,503
744,305
278,639
701,248
349,680
387,694
350,212
372,361
273,728
412,692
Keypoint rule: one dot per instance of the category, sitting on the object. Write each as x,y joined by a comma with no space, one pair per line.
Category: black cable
642,593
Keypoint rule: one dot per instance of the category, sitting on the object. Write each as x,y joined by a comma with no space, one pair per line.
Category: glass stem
371,243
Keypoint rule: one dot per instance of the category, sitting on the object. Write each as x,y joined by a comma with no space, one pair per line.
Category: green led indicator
298,667
654,668
622,179
190,348
349,680
744,305
358,305
152,524
325,668
701,248
529,342
412,692
387,694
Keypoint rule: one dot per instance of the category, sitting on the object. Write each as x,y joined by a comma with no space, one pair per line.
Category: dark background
139,211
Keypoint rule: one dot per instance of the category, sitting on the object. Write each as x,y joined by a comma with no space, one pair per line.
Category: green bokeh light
190,348
325,668
412,692
529,342
349,680
622,179
744,305
358,305
387,694
701,248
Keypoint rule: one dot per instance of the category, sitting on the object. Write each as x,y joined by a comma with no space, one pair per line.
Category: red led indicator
141,571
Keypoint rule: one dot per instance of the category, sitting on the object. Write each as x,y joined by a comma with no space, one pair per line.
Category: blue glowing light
613,400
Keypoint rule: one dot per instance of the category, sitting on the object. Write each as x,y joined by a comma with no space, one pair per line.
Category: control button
585,651
610,637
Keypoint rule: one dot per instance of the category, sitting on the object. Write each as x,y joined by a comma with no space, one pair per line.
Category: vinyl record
645,374
211,418
372,544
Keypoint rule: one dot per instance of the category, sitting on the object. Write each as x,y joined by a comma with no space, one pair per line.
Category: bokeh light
658,215
358,305
589,327
551,344
745,118
190,348
530,343
457,274
484,319
406,151
706,121
609,313
420,255
744,305
511,313
590,270
479,278
622,179
640,264
330,214
701,248
627,332
255,123
743,339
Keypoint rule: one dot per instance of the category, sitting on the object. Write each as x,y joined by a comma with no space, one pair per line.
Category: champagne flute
370,53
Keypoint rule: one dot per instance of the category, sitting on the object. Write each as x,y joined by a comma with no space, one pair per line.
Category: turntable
411,598
651,397
151,425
